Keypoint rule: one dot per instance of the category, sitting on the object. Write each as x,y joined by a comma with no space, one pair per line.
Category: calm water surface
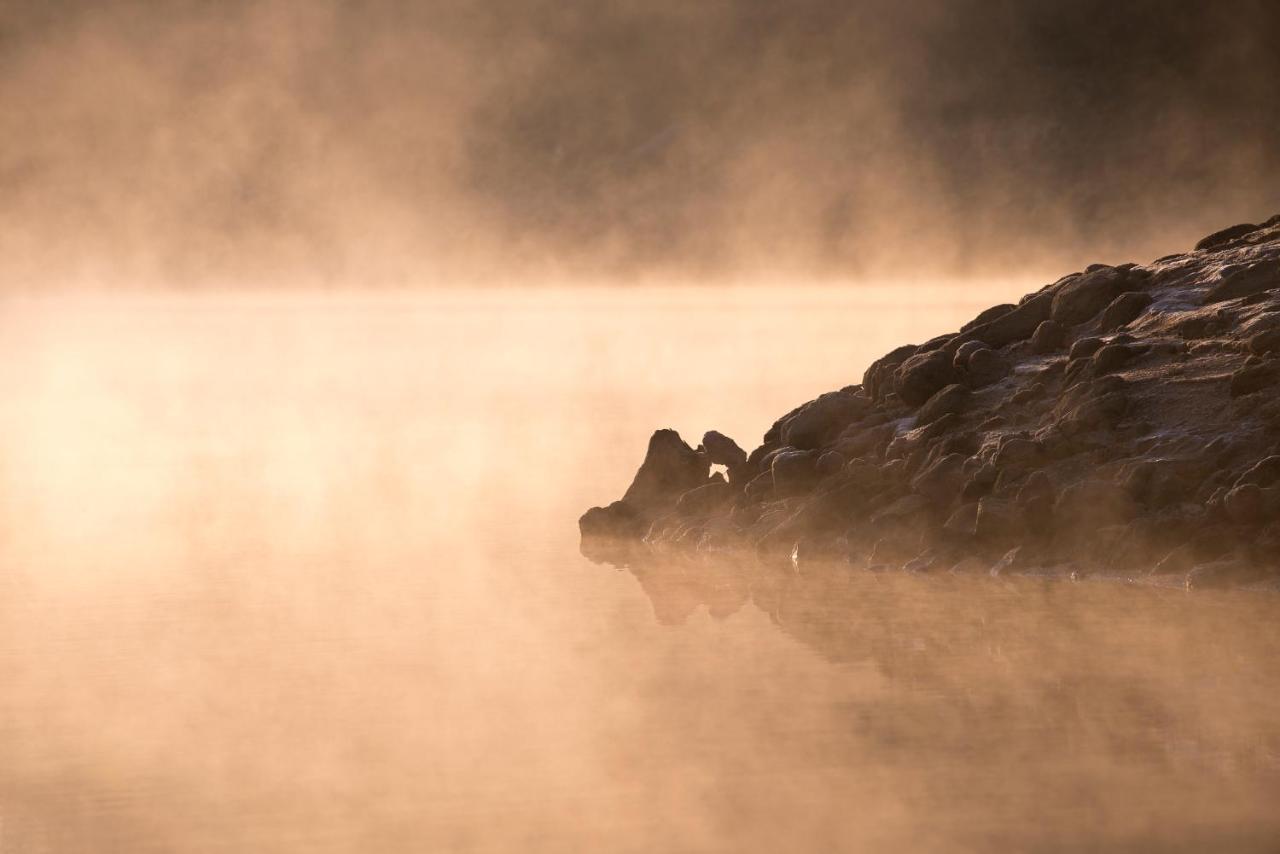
301,574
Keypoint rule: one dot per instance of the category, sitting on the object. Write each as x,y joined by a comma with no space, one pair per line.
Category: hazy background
196,144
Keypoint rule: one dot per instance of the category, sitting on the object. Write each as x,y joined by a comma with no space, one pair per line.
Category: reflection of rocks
1119,420
1015,667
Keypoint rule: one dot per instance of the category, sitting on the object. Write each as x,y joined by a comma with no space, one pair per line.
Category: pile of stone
1121,421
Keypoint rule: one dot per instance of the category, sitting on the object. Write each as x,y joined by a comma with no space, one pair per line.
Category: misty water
300,573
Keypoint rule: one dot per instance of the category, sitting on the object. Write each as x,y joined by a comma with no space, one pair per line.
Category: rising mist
383,142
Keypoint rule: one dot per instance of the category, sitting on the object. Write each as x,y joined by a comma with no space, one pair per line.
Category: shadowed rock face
1120,421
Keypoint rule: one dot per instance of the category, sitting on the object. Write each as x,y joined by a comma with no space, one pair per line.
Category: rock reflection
1019,671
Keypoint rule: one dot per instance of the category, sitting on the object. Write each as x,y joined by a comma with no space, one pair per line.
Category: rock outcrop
1123,421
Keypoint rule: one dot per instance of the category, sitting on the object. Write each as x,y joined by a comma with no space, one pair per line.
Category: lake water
300,573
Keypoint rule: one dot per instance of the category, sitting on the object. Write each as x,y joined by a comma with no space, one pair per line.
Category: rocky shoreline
1121,421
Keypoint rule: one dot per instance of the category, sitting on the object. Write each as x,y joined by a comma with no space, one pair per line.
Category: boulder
1081,299
704,500
1226,235
618,520
987,367
1085,348
1049,337
670,469
946,401
794,470
923,375
1112,357
1124,309
822,419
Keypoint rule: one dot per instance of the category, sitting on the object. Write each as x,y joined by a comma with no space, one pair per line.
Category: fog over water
322,321
301,573
283,142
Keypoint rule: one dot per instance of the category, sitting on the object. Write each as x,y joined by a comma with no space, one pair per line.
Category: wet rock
947,401
1081,299
1049,337
923,375
1124,309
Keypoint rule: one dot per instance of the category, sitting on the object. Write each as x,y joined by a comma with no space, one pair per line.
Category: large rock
670,469
822,420
946,401
1109,422
923,375
1124,309
1226,235
1081,299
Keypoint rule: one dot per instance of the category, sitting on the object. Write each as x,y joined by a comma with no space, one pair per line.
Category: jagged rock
1124,309
721,450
